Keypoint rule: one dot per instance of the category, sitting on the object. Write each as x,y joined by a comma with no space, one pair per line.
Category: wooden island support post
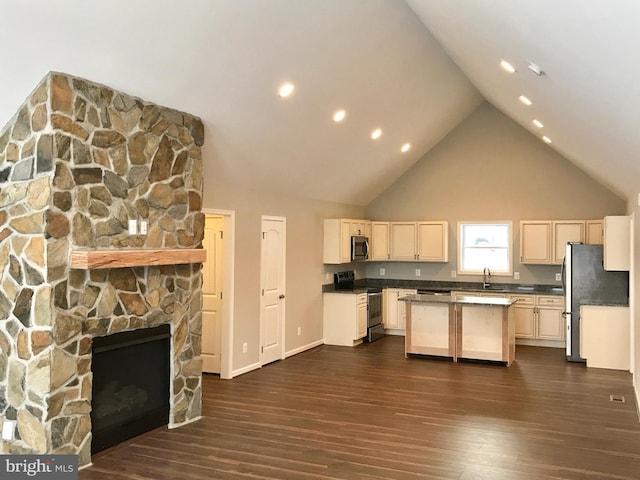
479,328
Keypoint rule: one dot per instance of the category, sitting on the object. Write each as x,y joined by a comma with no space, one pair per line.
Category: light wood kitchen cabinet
535,241
419,241
344,318
403,241
594,232
361,315
524,313
617,243
337,238
539,317
379,245
433,242
566,231
361,227
394,313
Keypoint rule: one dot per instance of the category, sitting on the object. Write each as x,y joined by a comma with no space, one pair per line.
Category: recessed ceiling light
546,139
405,147
524,100
535,69
507,67
286,89
339,116
376,133
538,123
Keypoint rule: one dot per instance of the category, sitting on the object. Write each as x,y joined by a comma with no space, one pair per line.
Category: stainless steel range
346,281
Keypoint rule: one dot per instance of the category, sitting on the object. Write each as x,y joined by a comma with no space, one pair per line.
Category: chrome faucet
486,278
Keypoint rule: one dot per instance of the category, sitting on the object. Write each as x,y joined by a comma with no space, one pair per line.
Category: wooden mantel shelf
136,258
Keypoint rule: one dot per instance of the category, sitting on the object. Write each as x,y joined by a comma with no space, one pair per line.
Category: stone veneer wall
76,163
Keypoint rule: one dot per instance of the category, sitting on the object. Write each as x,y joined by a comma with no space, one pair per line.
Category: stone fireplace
77,162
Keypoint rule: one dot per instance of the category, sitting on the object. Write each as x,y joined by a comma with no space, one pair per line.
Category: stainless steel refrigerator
586,282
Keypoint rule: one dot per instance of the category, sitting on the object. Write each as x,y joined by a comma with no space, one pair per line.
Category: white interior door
212,276
272,279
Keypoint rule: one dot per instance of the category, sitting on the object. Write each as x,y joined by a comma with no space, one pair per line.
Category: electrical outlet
244,347
516,275
299,331
328,277
454,274
418,272
558,277
8,430
383,271
133,227
143,227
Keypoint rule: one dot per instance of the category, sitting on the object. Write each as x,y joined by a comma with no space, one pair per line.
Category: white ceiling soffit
223,60
589,98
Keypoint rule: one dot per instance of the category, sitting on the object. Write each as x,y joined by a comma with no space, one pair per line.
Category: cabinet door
402,240
525,320
345,241
361,317
379,241
361,227
550,323
564,232
535,242
432,241
524,315
617,243
391,296
594,232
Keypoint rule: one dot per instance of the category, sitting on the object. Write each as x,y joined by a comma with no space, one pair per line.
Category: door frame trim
284,283
228,282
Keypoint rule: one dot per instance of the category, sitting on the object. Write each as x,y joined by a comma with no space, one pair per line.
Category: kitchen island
460,327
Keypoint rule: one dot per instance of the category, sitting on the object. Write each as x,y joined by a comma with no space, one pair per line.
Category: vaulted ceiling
414,69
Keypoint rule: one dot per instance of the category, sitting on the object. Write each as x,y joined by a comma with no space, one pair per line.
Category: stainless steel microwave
359,248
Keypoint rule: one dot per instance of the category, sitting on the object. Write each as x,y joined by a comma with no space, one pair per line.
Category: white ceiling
223,60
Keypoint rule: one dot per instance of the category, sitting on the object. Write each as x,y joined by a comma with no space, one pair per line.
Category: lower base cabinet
394,312
539,317
344,318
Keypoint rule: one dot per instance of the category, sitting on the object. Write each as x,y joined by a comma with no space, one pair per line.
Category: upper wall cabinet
337,238
379,247
594,232
617,243
563,233
419,241
535,242
543,242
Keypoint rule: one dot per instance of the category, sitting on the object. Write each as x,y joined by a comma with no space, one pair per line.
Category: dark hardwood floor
369,413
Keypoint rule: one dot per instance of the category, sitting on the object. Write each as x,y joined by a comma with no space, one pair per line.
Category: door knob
281,297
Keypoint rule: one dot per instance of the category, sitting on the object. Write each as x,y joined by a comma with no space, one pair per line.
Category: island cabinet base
460,328
485,333
430,330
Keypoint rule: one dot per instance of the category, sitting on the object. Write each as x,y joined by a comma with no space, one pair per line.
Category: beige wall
490,168
634,293
305,272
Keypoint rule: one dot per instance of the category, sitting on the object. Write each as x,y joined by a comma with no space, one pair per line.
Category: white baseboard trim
303,348
247,369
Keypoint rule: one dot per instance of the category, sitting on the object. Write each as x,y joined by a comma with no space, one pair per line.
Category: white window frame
509,272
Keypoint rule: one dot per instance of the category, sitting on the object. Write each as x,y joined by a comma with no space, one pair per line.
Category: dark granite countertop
440,286
459,300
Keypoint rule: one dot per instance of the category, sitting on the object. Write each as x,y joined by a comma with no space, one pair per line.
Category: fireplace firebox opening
131,374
